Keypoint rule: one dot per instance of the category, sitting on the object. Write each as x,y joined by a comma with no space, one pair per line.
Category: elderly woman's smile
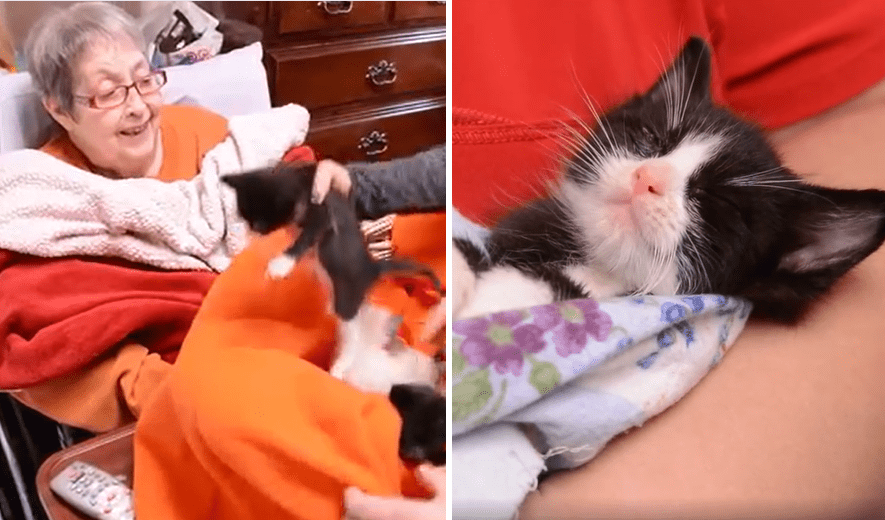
114,117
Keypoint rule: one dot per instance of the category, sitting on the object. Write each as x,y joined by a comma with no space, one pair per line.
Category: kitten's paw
280,266
337,371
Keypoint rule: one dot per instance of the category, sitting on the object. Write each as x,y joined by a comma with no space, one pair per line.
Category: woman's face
123,140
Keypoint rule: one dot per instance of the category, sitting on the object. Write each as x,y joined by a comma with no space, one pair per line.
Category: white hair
59,39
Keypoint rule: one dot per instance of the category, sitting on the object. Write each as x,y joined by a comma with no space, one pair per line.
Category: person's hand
329,175
360,506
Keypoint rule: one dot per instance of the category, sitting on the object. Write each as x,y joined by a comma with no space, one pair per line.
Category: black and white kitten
272,198
670,194
368,356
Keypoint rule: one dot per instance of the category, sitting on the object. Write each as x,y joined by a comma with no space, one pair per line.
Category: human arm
411,184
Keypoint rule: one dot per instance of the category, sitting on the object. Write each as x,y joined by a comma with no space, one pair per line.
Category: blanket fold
58,315
49,208
577,373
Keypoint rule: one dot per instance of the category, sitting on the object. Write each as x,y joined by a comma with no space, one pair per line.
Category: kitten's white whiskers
589,102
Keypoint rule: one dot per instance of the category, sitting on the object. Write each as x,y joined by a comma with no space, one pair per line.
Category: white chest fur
596,282
504,288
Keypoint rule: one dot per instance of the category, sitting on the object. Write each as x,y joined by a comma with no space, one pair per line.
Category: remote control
94,492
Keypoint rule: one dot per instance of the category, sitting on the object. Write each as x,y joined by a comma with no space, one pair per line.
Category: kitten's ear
241,180
829,231
408,396
302,167
836,234
688,77
234,181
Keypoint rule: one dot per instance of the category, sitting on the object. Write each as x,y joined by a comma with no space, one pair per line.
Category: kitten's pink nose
649,180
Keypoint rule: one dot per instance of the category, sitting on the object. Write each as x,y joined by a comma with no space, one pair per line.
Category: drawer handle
373,144
382,73
336,7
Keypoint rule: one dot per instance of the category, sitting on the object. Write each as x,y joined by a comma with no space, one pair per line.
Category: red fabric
57,315
788,60
522,65
300,153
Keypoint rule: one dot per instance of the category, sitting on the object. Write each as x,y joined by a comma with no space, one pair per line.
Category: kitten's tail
408,268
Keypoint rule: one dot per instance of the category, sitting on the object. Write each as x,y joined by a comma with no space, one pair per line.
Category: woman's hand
360,506
330,174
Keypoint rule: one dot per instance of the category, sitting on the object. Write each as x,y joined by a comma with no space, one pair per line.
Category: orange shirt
187,132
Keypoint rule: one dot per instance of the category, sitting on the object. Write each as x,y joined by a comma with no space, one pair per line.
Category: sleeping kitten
671,194
275,197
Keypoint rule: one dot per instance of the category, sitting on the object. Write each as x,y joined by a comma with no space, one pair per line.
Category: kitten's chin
632,238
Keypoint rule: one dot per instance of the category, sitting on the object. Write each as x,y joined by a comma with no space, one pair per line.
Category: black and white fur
272,198
423,433
368,356
666,194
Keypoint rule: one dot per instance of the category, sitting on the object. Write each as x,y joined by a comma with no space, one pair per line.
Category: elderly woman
88,64
95,81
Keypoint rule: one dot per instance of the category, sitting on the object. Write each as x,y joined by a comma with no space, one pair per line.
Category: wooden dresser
372,74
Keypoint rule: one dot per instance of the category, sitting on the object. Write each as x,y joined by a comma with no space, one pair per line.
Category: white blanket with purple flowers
577,373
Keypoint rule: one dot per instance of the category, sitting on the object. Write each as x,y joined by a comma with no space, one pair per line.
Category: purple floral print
499,340
572,323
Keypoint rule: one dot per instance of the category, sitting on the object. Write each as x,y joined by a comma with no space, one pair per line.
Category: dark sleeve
408,185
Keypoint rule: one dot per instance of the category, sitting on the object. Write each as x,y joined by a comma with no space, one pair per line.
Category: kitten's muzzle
650,179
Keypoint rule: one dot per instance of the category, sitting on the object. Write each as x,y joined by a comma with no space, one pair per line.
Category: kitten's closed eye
648,143
670,193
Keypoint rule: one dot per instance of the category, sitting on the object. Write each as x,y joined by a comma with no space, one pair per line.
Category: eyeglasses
147,85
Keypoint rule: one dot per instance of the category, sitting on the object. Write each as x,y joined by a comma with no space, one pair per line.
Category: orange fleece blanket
250,424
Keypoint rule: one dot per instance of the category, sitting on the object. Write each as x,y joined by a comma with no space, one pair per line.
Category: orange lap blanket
250,424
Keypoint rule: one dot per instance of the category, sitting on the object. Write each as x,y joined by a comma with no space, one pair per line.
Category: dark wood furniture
111,452
372,74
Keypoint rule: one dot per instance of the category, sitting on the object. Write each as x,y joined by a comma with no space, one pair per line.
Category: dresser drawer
381,134
419,11
338,73
313,16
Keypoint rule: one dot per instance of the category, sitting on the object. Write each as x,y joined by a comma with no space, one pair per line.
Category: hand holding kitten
330,174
